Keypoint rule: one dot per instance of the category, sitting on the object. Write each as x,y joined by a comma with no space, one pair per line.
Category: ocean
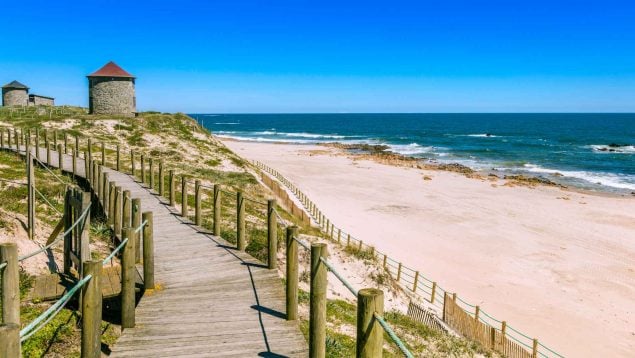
589,151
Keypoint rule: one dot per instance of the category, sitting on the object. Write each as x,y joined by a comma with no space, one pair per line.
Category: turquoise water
591,151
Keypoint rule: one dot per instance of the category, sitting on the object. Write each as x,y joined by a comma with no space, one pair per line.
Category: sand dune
558,265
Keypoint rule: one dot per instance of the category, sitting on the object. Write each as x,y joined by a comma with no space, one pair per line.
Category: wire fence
410,279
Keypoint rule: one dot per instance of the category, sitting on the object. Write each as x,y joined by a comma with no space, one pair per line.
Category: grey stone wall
42,101
14,97
112,96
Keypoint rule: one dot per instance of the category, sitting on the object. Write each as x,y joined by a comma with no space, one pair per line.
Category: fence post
477,311
37,143
184,210
534,350
171,188
65,143
128,273
198,219
434,292
317,302
48,149
217,209
10,283
112,197
90,149
292,273
445,300
30,195
272,236
103,153
126,215
143,169
106,199
69,235
117,217
60,157
54,138
399,272
91,310
76,146
100,183
118,159
9,340
370,334
87,166
84,235
74,160
136,221
414,284
161,179
132,164
151,170
503,334
148,250
240,221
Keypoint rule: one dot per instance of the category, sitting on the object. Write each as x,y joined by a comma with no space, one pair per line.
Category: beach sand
555,264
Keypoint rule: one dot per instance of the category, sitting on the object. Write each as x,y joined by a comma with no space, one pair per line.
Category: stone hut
15,94
111,90
37,100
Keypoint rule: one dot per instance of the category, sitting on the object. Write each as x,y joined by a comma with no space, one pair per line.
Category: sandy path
562,270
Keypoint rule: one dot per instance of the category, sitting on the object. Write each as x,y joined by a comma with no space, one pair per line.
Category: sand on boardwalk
555,264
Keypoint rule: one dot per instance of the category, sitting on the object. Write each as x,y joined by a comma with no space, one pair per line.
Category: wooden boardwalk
210,299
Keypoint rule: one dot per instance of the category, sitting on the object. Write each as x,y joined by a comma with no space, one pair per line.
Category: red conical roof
111,69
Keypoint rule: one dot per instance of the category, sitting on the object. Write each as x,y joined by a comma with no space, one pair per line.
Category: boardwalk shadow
269,311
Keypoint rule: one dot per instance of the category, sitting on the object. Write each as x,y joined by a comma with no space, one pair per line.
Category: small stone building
37,100
15,94
111,90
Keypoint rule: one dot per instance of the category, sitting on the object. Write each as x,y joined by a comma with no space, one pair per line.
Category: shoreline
402,160
545,259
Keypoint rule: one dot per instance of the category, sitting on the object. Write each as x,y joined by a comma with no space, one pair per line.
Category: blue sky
332,56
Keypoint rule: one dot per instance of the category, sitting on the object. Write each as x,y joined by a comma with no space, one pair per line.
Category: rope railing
405,274
343,280
61,236
115,251
393,336
46,200
41,320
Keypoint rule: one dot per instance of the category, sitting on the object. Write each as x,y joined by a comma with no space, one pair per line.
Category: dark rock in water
488,134
556,174
615,145
530,180
456,167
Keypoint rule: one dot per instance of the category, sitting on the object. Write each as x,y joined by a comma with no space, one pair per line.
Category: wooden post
118,160
90,150
76,146
272,236
68,222
385,261
317,302
84,235
112,197
161,179
151,181
148,251
292,273
399,272
106,199
128,273
143,169
370,334
172,195
348,240
9,340
91,310
534,350
492,336
48,149
132,164
65,143
503,334
37,143
103,153
184,210
10,283
54,138
240,222
414,285
100,184
30,195
74,159
217,209
87,166
136,221
126,217
445,300
198,218
434,292
339,235
60,157
117,217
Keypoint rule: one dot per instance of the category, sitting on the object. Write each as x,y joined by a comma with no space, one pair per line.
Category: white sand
555,264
